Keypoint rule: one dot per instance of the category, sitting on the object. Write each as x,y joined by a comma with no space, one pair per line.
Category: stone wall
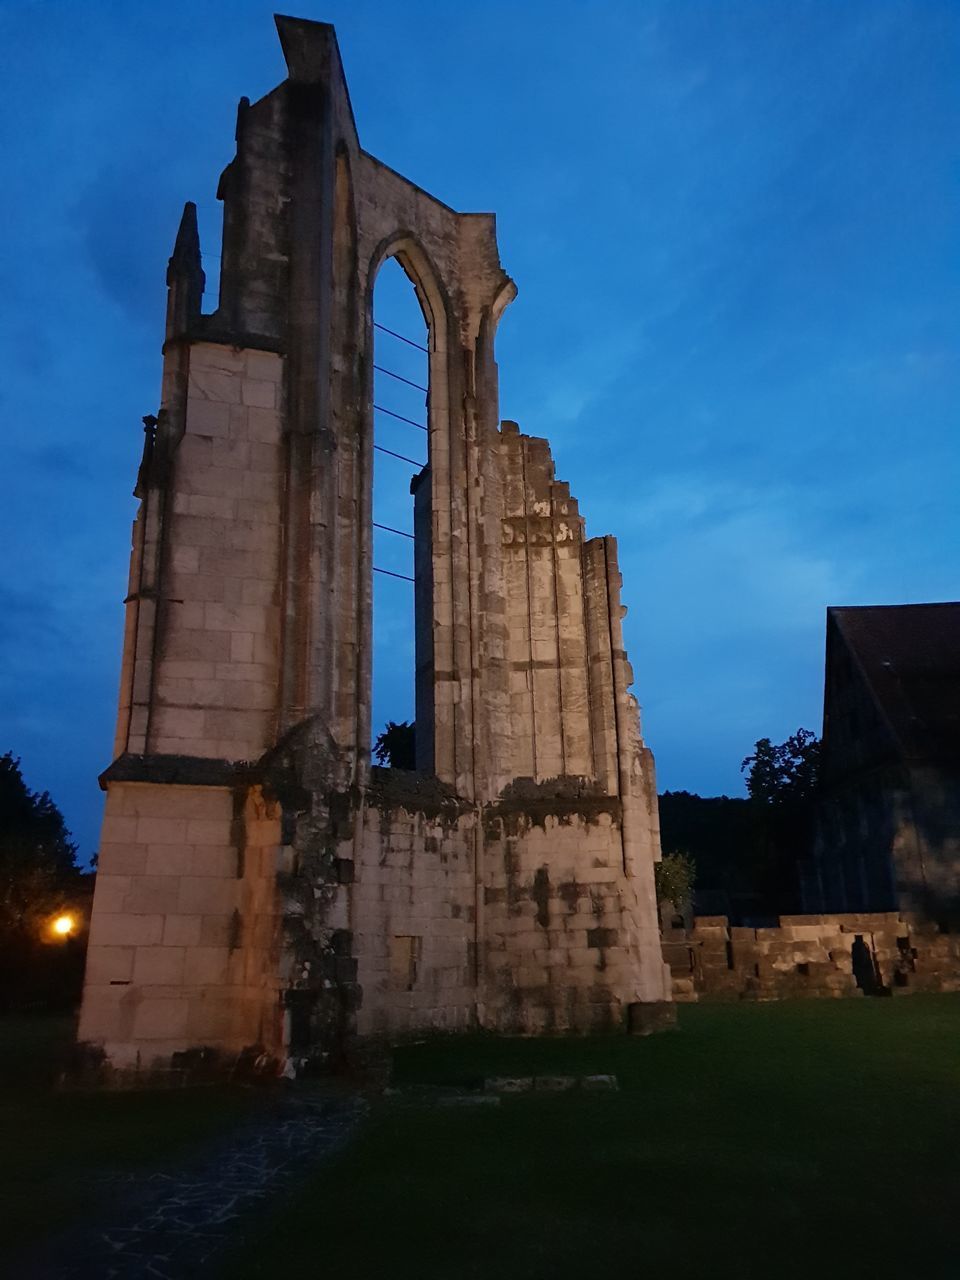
200,670
510,883
563,921
414,912
216,676
183,945
811,956
518,917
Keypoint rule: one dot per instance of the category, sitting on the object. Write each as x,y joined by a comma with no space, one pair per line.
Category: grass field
51,1141
818,1138
780,1140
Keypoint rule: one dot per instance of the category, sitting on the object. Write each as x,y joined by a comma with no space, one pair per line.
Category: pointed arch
433,610
419,269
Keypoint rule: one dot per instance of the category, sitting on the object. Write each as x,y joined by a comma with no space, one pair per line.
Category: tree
786,774
38,863
674,876
717,832
396,747
782,782
39,877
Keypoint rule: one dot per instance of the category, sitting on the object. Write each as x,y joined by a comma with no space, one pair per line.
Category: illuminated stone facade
262,890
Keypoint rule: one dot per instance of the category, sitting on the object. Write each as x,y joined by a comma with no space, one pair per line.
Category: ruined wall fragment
508,886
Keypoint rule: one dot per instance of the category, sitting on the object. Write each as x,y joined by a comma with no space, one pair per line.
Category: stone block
214,384
151,894
118,829
208,831
599,1083
206,966
181,931
111,891
263,426
601,937
158,966
185,559
741,935
197,645
216,930
212,1016
169,860
159,1018
106,1013
207,895
184,723
803,932
109,964
207,417
258,394
122,860
121,930
247,619
211,355
508,1084
265,366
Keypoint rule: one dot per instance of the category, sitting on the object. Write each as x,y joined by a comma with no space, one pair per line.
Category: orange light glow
63,926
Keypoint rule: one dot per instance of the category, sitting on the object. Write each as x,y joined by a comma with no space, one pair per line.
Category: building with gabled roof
889,831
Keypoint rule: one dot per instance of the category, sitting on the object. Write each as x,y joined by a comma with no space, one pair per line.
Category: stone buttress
263,892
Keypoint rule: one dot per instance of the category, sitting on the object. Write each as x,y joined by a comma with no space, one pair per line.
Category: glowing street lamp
63,925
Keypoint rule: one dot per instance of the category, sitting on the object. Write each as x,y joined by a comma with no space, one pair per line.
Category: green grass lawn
810,1138
50,1141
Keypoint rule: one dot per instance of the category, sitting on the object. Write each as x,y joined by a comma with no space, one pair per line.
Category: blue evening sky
734,228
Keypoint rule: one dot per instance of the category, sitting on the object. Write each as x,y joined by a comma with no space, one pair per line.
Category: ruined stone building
889,837
882,890
261,887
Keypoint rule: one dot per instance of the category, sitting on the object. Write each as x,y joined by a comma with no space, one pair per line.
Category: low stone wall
518,917
242,922
811,957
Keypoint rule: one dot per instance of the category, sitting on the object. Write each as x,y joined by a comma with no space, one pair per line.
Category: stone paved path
172,1225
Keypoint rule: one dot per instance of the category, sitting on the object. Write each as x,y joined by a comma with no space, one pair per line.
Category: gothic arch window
402,335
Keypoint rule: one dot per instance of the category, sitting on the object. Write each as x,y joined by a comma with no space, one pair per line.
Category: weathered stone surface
262,888
508,1084
879,953
597,1083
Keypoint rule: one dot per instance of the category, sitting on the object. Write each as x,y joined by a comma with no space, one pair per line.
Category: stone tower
262,888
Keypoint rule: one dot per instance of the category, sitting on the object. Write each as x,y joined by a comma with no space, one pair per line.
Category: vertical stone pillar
421,488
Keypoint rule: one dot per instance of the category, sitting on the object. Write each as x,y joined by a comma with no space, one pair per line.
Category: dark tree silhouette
396,747
38,878
786,774
718,832
38,860
782,782
747,850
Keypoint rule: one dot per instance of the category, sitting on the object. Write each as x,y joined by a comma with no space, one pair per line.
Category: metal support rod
409,341
390,374
390,574
413,462
389,529
391,414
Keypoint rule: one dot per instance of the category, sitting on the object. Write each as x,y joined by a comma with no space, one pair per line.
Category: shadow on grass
755,1141
51,1142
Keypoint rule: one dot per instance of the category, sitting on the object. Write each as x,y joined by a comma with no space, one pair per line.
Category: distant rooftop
910,655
